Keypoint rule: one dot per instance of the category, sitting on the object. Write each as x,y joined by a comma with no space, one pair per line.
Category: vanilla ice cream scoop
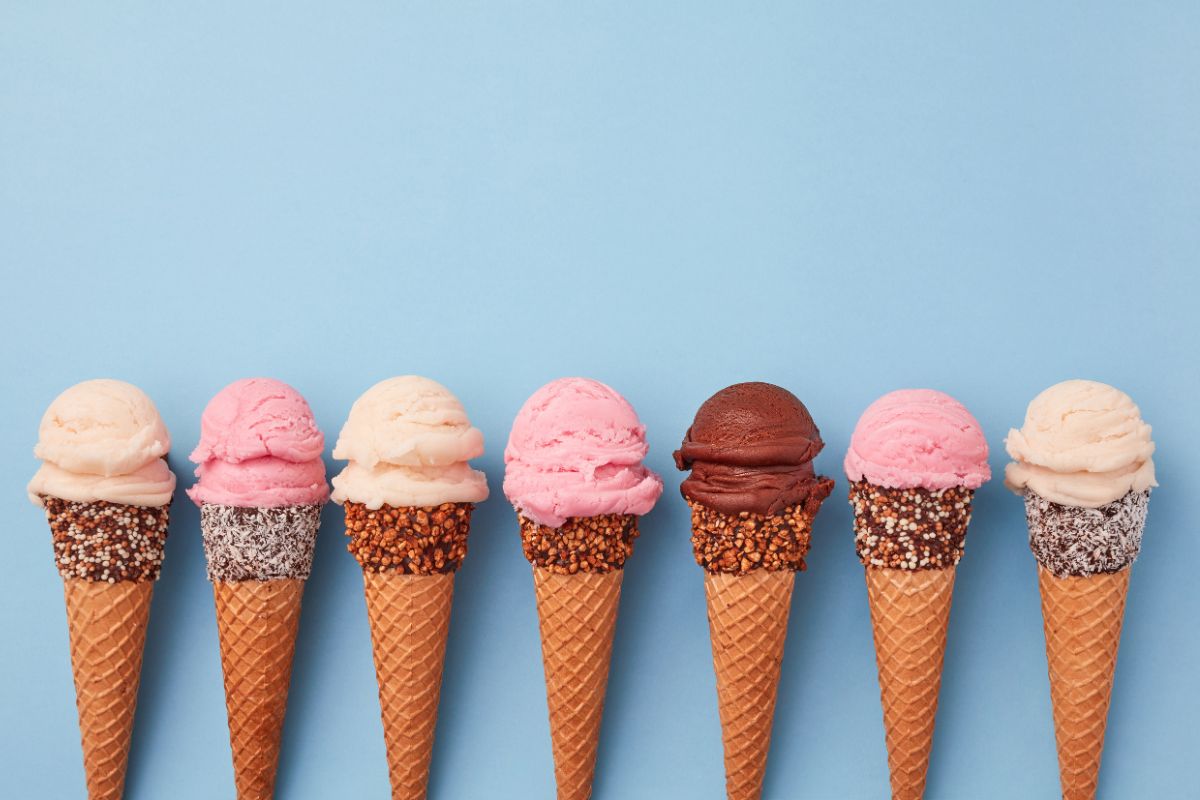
103,440
408,441
1083,444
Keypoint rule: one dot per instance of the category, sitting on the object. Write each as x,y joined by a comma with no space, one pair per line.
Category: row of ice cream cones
575,475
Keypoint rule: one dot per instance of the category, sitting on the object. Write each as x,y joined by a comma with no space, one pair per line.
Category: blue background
843,201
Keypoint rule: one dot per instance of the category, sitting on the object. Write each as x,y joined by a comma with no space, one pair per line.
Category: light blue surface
843,201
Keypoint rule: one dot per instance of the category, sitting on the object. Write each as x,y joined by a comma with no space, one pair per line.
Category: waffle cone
1082,617
107,623
578,616
747,620
910,610
410,619
257,623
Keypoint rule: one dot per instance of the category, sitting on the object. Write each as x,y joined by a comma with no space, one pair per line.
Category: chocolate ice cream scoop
750,448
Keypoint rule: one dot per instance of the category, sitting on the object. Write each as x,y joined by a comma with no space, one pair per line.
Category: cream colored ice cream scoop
408,441
1083,444
103,440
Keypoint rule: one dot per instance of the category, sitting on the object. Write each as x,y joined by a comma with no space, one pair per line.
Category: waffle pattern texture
1082,617
410,620
257,622
910,610
747,619
577,616
107,623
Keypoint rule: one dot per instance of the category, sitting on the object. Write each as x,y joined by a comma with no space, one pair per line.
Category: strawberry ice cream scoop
576,450
259,448
918,438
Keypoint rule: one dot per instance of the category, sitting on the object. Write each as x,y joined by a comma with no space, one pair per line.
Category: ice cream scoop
576,450
408,441
751,448
918,438
258,418
259,448
102,427
103,440
409,421
1083,444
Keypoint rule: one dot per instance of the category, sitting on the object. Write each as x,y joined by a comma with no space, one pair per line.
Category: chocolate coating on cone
735,544
413,540
111,542
910,528
259,544
583,544
1070,540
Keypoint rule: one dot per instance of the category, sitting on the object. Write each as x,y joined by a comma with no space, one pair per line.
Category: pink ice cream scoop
259,447
918,438
576,450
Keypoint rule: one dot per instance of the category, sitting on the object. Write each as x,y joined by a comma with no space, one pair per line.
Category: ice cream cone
106,489
916,458
408,492
1083,556
410,620
409,556
578,616
257,560
910,610
260,487
257,622
1082,462
109,555
747,619
753,494
910,541
1082,617
107,623
574,474
577,571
